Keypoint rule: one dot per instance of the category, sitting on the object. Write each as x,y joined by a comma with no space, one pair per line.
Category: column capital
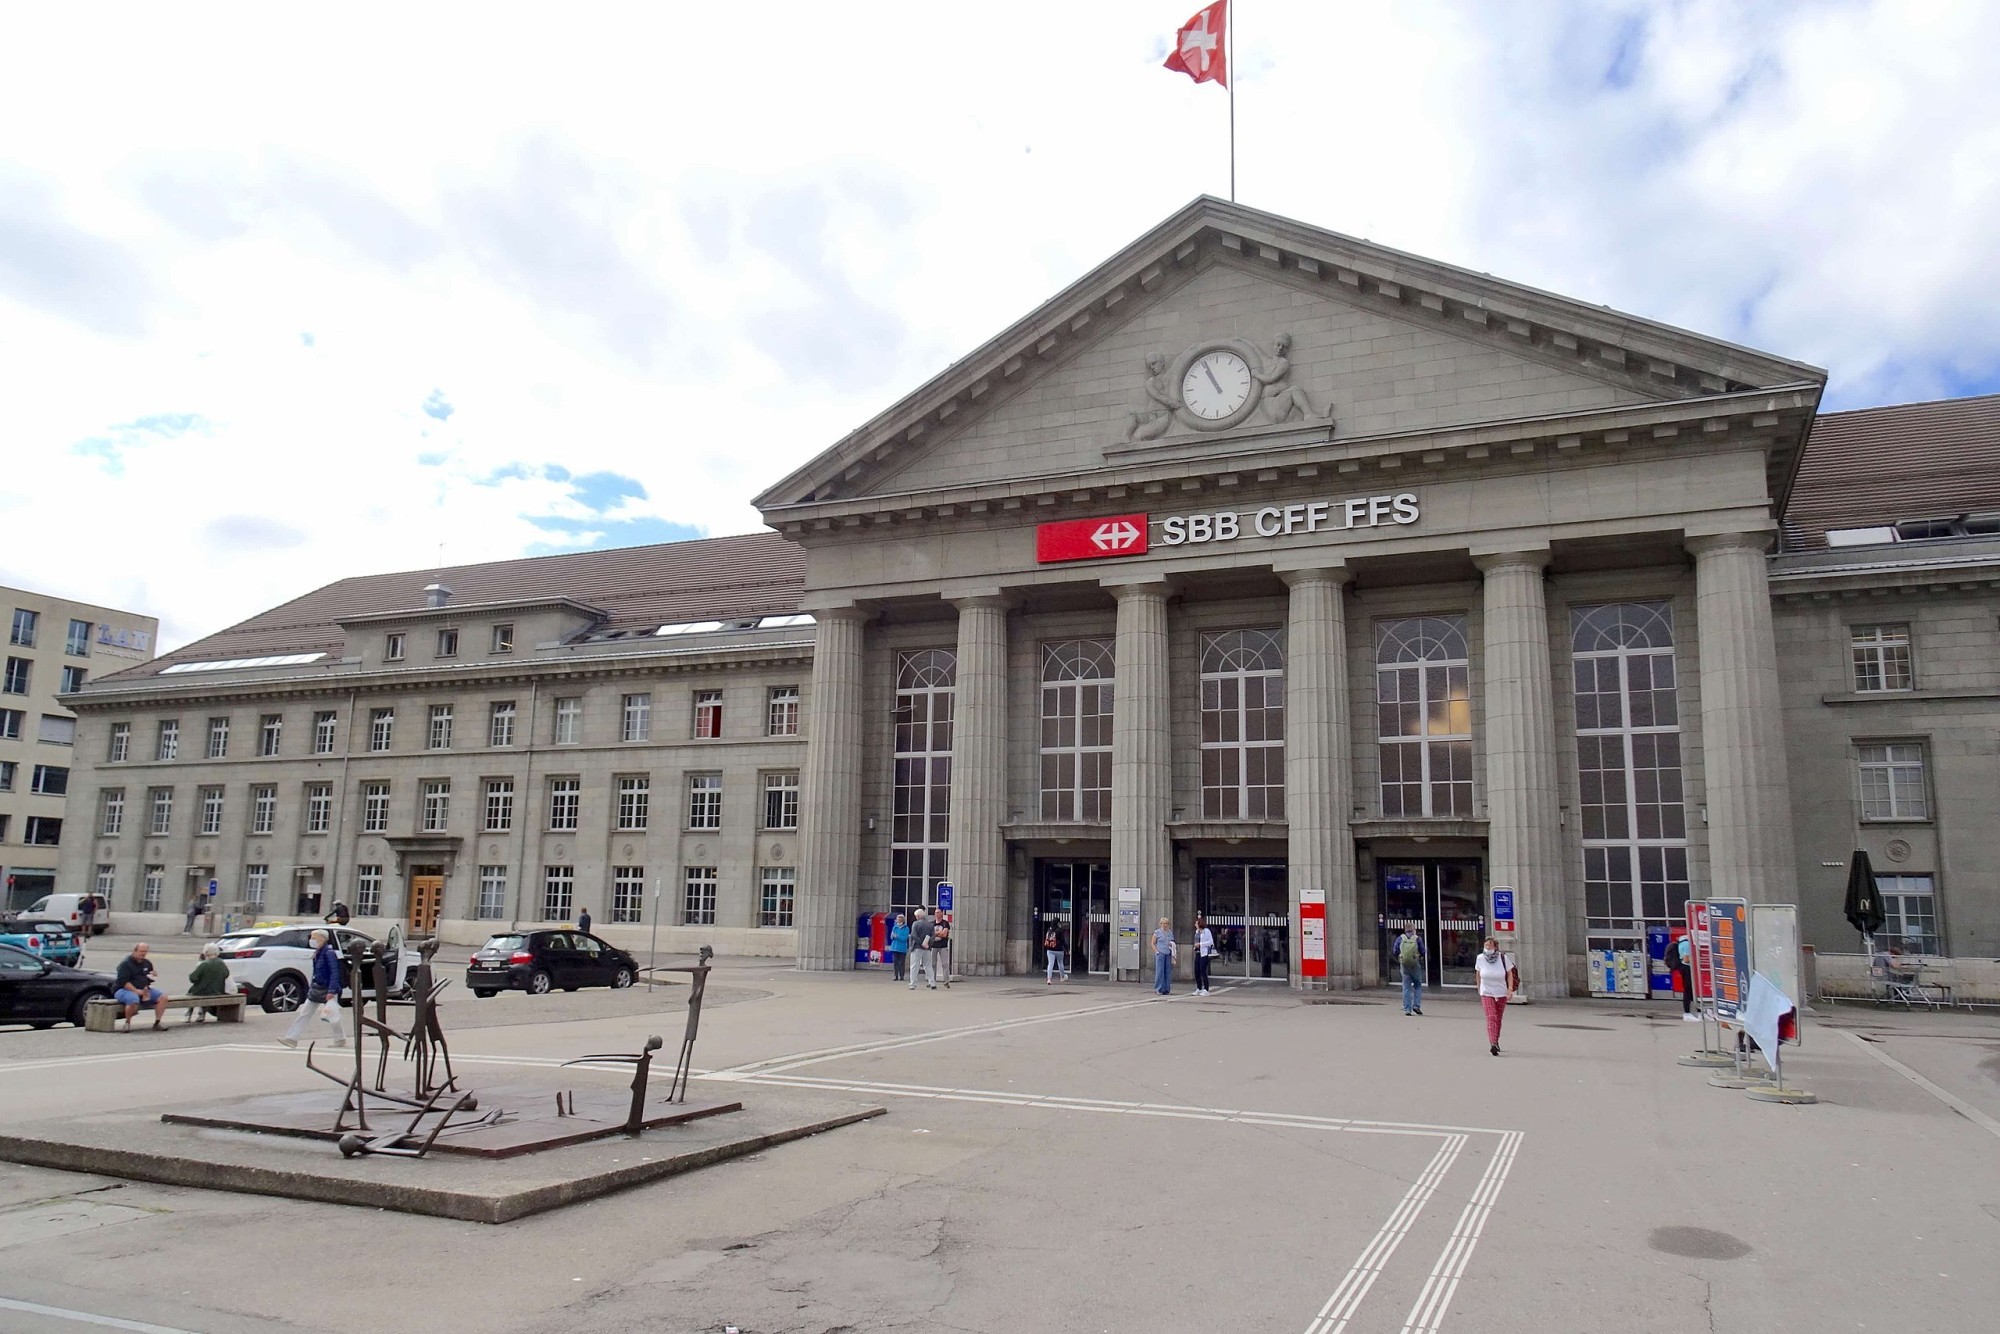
1335,574
1526,558
1138,589
983,602
1707,544
847,615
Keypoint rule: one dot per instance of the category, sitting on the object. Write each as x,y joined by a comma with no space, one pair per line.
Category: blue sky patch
600,534
109,449
438,406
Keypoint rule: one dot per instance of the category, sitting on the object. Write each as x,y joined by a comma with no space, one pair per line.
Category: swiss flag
1198,46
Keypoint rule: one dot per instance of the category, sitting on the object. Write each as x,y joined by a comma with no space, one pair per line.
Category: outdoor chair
1899,981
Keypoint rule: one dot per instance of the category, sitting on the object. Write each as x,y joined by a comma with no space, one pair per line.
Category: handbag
1513,974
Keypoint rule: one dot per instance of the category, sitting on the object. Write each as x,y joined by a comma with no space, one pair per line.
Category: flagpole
1230,50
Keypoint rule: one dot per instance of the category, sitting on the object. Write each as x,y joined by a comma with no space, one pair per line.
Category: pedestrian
1498,981
322,993
1680,961
583,921
193,911
1058,957
86,916
899,946
1412,959
1204,950
1164,951
338,914
920,951
209,978
941,949
135,987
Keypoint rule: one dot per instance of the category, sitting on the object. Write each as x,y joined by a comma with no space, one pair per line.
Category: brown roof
1886,465
718,577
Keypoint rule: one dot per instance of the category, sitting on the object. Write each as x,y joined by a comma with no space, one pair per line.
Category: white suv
272,966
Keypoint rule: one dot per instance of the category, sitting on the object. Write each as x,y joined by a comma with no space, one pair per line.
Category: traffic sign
1503,909
944,896
211,889
1091,539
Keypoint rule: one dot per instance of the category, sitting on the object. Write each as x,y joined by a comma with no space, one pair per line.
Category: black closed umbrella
1864,905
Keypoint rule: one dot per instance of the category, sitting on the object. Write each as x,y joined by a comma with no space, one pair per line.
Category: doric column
1319,787
979,789
1742,744
1524,842
830,802
1142,787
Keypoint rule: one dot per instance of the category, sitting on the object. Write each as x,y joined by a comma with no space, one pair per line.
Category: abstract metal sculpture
642,1065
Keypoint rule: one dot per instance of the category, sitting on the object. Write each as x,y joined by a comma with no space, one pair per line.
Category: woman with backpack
1498,981
1052,945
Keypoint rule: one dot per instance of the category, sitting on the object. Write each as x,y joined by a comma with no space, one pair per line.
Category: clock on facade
1216,385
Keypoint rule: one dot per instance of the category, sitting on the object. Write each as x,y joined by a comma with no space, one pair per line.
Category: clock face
1216,385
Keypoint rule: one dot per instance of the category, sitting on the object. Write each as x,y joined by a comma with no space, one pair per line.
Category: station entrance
1248,908
1446,902
1076,898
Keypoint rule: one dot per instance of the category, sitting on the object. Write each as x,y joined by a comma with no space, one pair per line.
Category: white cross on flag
1198,47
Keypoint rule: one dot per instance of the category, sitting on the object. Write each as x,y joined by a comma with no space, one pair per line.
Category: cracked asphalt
1065,1159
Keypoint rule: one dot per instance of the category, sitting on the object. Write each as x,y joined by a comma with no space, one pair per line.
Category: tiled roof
717,577
1885,465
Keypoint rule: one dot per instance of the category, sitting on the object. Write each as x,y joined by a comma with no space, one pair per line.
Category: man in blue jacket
322,993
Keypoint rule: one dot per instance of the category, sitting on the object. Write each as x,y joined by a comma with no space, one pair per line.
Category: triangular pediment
1322,333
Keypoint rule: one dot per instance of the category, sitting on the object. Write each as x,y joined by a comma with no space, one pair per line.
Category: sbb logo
1091,539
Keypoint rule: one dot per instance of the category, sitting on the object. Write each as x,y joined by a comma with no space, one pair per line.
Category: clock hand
1209,371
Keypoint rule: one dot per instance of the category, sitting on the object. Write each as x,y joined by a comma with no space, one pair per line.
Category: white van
69,909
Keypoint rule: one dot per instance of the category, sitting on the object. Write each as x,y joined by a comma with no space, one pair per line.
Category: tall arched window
1076,729
1423,711
1243,725
926,683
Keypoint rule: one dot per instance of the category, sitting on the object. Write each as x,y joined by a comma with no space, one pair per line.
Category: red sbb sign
1091,539
1498,927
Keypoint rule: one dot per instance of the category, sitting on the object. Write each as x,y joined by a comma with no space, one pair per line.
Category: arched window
1076,729
921,825
1243,725
1423,711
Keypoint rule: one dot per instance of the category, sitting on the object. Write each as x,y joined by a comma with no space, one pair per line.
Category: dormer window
503,638
447,643
392,648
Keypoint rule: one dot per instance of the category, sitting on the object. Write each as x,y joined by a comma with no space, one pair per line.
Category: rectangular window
381,729
781,716
263,809
18,672
704,801
492,893
569,721
926,683
25,624
54,731
499,805
779,884
256,884
7,768
368,890
3,827
121,743
1243,725
375,807
10,724
211,810
500,723
558,892
270,732
436,805
72,679
503,639
638,718
447,643
707,714
1423,716
635,799
628,893
1909,913
1881,656
439,735
1077,698
49,780
154,887
326,731
565,802
77,645
217,744
159,810
168,744
319,807
111,812
781,800
106,882
392,647
42,831
1892,782
698,896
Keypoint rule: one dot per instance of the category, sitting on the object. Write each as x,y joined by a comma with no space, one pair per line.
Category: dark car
540,961
41,994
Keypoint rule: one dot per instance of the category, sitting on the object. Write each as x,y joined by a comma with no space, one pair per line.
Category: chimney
436,595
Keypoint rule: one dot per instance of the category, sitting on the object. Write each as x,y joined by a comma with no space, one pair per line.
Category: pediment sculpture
1217,384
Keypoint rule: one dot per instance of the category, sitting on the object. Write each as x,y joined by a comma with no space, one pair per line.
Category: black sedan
41,994
540,961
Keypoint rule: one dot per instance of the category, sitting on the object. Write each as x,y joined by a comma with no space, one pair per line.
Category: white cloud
693,245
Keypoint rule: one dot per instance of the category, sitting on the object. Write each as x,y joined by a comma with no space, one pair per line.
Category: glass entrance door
1446,902
1248,907
1076,897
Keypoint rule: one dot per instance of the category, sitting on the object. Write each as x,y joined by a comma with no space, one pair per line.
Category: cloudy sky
293,292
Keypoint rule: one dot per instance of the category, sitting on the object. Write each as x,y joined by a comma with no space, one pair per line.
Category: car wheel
79,1009
41,1023
539,983
621,979
484,992
283,994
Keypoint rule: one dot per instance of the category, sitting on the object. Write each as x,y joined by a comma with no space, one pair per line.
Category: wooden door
426,901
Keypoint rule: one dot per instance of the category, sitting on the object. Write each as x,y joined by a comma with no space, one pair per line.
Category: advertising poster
1704,966
1312,933
1729,954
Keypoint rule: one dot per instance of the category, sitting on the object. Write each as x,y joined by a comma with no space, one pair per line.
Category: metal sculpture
677,1090
642,1064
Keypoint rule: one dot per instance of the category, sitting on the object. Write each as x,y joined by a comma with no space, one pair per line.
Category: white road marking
1427,1315
1346,1299
86,1318
1945,1096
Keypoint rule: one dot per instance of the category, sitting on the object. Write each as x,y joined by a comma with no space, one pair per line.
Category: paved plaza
1087,1157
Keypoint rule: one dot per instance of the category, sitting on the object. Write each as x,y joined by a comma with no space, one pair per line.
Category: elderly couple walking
926,944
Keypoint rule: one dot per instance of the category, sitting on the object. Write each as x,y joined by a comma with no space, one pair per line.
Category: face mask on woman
1492,952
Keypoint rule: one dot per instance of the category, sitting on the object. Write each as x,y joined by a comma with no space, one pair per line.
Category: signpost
1312,933
211,888
1128,928
1503,910
944,896
1774,952
1729,955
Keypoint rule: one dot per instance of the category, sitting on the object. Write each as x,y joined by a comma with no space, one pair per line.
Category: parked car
41,994
270,965
46,936
537,962
66,907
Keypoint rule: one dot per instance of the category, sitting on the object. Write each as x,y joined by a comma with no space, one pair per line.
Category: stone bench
104,1013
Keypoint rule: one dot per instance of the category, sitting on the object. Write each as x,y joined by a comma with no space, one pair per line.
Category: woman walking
899,945
1052,945
1497,983
1164,950
1204,950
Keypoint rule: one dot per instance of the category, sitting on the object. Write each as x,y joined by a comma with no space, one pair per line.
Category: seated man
135,988
209,978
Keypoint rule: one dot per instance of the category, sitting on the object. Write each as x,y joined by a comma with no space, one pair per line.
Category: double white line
1428,1314
1346,1300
